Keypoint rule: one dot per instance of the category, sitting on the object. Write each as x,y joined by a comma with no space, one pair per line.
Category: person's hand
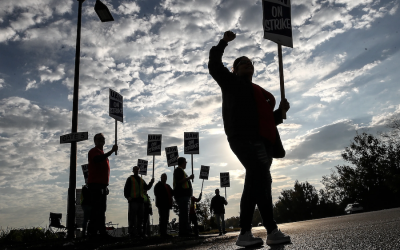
229,36
285,105
114,148
191,177
152,180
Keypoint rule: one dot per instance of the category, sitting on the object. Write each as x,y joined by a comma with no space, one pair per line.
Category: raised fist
229,36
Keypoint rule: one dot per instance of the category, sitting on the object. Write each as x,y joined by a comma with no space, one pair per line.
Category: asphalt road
378,230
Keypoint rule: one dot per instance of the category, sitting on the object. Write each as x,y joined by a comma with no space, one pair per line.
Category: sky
341,77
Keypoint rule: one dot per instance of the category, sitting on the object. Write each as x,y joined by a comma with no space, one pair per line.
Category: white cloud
128,8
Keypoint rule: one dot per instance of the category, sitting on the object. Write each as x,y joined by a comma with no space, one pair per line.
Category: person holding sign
250,125
182,192
217,206
99,176
163,193
134,193
192,214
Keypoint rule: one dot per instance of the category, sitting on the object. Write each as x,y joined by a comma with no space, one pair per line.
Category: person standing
250,125
147,211
163,193
86,207
99,176
217,206
182,192
192,214
134,193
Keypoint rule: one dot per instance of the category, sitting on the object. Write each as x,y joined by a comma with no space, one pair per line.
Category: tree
373,178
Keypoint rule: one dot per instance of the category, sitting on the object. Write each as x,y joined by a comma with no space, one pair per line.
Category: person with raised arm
250,125
99,176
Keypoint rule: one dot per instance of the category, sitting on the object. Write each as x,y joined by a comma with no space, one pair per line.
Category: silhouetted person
192,214
163,193
182,192
134,193
250,125
99,176
147,211
217,206
86,207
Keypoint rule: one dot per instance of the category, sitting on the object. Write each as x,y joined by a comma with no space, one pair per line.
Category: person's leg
163,221
86,216
256,158
223,222
95,198
183,204
145,222
132,218
140,211
102,212
218,218
195,224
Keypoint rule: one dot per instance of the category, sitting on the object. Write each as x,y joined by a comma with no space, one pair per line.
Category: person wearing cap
217,206
182,193
134,192
99,176
192,214
163,193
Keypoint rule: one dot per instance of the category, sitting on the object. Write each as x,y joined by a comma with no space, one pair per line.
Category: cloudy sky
340,77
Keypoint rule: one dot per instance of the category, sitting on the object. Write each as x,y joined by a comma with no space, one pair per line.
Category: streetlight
105,16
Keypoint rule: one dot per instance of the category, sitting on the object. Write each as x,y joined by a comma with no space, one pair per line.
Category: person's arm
127,188
278,113
102,157
215,66
148,186
157,189
181,177
225,202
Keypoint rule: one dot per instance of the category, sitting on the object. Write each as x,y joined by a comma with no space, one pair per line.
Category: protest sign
142,164
224,177
204,172
172,155
74,137
277,21
116,110
154,144
85,171
191,143
116,106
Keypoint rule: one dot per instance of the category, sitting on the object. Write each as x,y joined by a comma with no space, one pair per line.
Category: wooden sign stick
202,186
192,168
153,164
115,135
282,82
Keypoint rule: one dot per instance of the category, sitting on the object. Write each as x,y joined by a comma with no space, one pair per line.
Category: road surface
378,230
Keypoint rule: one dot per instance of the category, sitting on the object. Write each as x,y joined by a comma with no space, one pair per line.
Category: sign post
204,172
191,144
116,110
78,209
154,146
224,178
142,164
172,156
278,28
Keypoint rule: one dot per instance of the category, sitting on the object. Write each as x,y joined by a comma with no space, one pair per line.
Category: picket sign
204,173
154,146
224,179
277,26
172,156
85,171
116,109
191,144
142,164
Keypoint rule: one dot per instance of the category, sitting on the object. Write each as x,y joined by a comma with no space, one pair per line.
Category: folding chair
55,223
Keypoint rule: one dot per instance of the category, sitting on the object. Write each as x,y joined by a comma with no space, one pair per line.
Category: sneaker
277,237
247,239
220,233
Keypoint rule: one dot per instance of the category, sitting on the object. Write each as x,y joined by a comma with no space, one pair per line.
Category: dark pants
164,218
183,204
86,216
135,218
193,220
97,219
255,155
146,223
